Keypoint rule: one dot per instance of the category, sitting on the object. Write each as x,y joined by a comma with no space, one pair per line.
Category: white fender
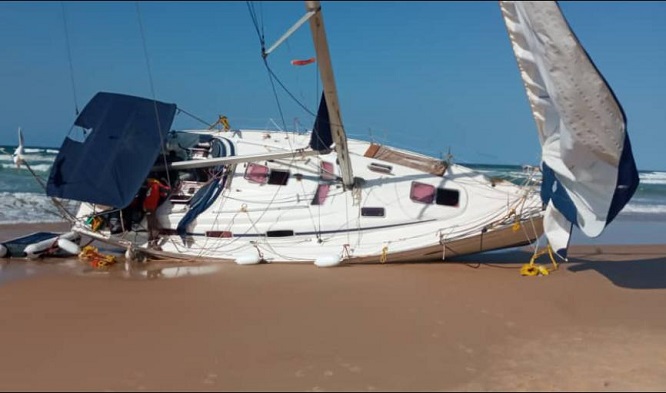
184,271
69,246
328,260
3,251
248,259
71,235
34,250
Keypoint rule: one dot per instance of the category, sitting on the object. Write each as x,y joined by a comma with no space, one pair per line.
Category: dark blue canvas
123,142
321,138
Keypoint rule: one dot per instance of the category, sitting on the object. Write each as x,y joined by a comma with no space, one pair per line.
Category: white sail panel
589,170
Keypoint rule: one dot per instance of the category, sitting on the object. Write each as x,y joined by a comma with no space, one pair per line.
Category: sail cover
589,173
113,161
321,138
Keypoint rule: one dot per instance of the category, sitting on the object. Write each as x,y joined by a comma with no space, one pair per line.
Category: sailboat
250,196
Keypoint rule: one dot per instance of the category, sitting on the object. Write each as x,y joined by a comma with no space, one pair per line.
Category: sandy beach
596,324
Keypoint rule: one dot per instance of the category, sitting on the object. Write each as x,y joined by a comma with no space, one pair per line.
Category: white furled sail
589,173
18,155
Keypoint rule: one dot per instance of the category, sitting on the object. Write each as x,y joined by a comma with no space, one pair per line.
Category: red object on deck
154,195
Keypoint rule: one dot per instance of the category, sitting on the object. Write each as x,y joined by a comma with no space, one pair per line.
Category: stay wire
255,22
69,57
272,75
193,116
152,89
262,41
274,78
64,213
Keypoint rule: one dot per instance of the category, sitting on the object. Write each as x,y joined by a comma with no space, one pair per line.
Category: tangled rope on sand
95,258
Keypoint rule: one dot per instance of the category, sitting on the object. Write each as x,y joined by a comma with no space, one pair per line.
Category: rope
95,258
192,116
255,22
262,41
152,88
274,78
62,210
531,269
384,256
69,57
222,121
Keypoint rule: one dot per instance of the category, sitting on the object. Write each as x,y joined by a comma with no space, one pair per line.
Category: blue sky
428,76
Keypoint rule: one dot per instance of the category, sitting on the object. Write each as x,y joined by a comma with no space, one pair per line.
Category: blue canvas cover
113,161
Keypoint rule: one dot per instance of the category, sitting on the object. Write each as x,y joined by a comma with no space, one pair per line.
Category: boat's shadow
641,267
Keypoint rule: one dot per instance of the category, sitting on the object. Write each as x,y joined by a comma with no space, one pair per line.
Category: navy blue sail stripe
329,232
321,138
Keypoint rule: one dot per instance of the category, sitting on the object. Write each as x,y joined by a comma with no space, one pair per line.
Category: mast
330,92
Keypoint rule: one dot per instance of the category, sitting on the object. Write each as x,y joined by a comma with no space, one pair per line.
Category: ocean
23,199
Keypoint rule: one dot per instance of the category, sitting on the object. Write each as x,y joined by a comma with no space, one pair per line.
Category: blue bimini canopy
113,161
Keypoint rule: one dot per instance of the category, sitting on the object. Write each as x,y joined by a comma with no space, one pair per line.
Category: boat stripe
328,232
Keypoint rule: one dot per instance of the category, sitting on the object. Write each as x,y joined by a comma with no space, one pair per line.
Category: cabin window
200,151
447,197
256,173
426,193
372,211
422,193
185,190
278,177
320,194
327,171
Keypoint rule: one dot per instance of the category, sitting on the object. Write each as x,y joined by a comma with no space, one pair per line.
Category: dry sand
596,324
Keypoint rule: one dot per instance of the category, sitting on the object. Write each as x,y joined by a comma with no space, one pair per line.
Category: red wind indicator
303,62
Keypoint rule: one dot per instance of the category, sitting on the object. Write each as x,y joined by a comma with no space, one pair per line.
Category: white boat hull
379,221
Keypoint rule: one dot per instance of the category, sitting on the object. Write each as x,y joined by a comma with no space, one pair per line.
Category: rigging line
294,98
69,57
289,93
298,79
193,116
64,213
277,99
262,41
253,16
272,75
317,92
317,77
261,15
152,88
316,228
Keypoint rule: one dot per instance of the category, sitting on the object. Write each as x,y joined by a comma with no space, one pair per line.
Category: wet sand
596,324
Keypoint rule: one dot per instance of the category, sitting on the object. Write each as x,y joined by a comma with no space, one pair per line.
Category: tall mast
330,92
